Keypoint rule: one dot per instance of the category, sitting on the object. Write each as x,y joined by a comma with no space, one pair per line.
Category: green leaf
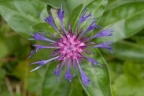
97,8
125,20
139,38
128,51
99,76
131,82
116,3
43,27
21,15
73,19
4,49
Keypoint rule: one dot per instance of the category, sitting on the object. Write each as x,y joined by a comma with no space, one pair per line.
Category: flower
70,46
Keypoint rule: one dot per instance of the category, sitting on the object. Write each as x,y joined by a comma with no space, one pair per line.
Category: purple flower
69,47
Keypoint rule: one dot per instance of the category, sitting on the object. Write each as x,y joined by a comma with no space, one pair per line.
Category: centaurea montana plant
70,46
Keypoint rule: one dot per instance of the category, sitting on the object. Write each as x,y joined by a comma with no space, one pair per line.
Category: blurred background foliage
125,64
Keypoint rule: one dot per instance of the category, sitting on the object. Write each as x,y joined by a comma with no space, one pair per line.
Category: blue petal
61,17
103,33
35,68
83,17
68,76
93,61
32,53
58,70
44,61
104,45
38,36
38,47
85,79
50,20
60,14
91,27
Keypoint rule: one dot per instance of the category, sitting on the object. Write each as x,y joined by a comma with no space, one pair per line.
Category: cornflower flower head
70,46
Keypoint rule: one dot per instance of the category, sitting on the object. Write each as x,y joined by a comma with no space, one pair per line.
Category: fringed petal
32,53
58,70
93,61
38,36
61,17
50,20
38,47
43,62
103,33
68,75
85,79
92,26
35,68
83,17
104,45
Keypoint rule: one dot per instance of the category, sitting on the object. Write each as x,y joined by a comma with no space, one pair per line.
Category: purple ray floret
44,61
84,17
58,70
68,75
104,45
103,33
61,16
50,20
32,53
71,46
85,79
92,26
93,61
38,36
38,47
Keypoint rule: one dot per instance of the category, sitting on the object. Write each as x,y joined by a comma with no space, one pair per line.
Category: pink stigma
70,47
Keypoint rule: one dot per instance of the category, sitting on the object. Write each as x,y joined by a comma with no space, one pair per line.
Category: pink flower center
71,46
